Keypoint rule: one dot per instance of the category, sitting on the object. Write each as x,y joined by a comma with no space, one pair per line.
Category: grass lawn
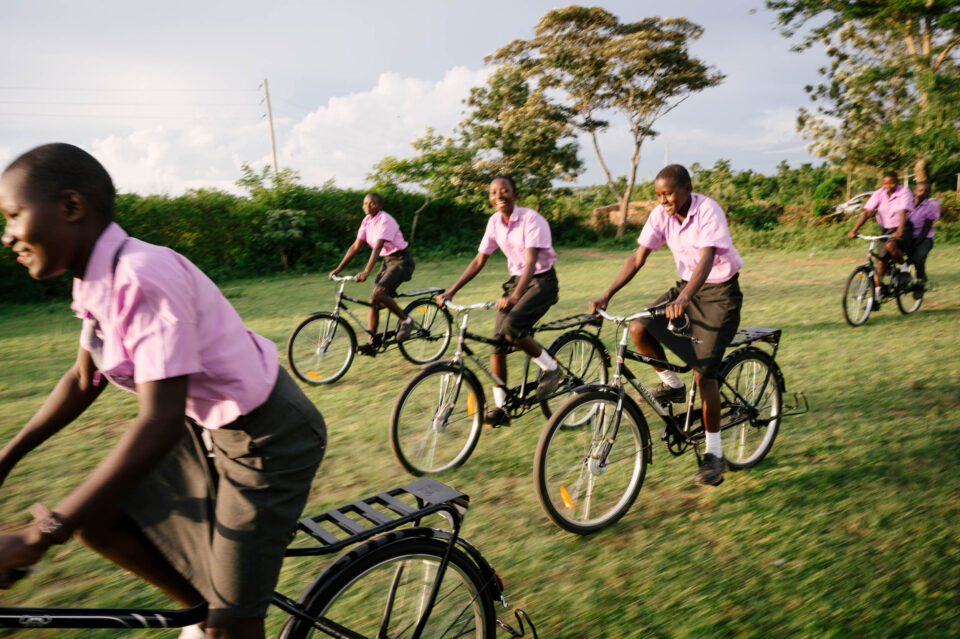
850,527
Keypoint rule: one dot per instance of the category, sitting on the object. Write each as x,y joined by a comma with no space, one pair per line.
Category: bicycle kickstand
520,614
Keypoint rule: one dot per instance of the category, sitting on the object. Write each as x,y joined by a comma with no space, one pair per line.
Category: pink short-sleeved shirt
382,226
161,317
705,225
926,210
526,229
888,205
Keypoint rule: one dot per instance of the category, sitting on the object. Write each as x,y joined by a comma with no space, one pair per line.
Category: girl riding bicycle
155,325
694,227
382,233
524,237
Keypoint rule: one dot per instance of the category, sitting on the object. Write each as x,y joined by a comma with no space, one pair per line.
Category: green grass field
850,527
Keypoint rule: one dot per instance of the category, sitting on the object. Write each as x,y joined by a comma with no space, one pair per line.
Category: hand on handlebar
443,298
599,303
332,274
361,276
505,303
677,307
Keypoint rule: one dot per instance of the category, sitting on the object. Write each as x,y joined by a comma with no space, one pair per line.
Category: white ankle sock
192,632
499,396
545,361
713,444
671,379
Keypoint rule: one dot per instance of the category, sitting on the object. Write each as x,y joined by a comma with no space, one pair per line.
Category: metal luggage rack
430,290
754,334
380,513
573,321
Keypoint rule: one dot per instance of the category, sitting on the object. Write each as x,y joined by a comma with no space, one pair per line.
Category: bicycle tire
436,422
321,349
431,335
907,299
858,296
585,357
563,457
748,442
356,589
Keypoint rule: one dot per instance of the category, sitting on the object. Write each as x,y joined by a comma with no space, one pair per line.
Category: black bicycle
399,583
593,453
438,416
860,295
321,348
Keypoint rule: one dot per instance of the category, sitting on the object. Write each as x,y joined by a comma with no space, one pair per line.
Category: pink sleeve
904,201
488,244
651,235
159,327
713,231
934,210
873,202
362,232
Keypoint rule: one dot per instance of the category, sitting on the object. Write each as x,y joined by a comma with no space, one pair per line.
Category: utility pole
273,141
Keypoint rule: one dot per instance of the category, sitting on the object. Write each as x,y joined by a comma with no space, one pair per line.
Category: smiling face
372,205
39,230
670,196
502,196
889,184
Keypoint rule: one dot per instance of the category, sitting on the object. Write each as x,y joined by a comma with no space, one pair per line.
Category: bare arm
529,266
927,225
159,425
72,395
704,265
374,254
351,252
864,214
474,267
631,266
901,222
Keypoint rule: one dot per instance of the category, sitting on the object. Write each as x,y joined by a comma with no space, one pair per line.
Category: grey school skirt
226,531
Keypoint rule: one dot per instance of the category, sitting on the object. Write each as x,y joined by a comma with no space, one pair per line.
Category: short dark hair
892,174
376,196
54,168
507,179
677,173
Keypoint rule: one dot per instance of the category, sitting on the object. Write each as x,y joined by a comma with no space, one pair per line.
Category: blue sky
167,95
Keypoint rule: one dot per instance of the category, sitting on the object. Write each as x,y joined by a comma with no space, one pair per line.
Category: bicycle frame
431,497
517,401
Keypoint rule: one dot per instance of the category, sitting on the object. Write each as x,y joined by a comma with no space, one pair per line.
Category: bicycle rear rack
573,321
755,334
379,513
798,399
432,291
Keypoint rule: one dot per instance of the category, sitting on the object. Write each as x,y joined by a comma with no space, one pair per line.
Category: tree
510,129
598,65
889,61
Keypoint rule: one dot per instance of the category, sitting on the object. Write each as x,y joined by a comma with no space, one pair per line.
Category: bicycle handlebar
874,237
647,312
340,278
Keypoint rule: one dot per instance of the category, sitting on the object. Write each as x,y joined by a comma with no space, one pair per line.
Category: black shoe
549,381
665,394
918,288
406,328
711,471
496,418
370,350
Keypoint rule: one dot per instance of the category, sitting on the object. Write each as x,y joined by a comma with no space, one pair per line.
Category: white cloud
342,139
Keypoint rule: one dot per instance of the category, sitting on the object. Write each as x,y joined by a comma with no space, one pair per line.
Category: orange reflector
471,404
422,309
313,375
565,496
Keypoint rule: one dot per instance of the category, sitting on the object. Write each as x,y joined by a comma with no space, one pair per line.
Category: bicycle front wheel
583,356
583,482
436,421
431,334
750,400
321,349
910,294
381,589
858,296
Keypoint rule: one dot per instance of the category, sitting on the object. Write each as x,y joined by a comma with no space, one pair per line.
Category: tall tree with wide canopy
594,66
893,67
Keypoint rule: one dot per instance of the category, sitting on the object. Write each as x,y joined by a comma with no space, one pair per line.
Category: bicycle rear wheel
380,589
909,294
581,486
748,427
858,296
431,334
583,356
321,349
436,421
